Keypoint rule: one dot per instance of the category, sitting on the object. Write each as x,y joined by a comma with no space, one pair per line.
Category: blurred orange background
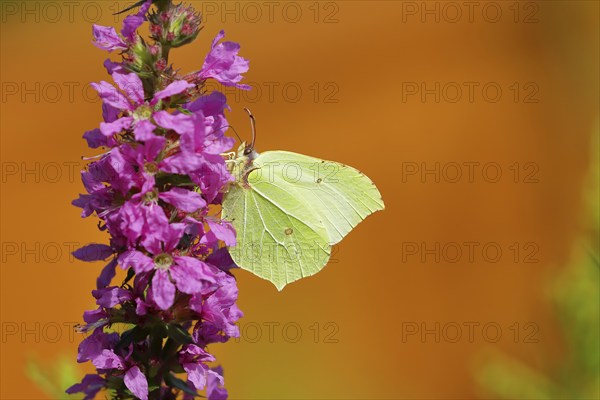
395,89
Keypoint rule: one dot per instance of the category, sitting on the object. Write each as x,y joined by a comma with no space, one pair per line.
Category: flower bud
140,56
177,26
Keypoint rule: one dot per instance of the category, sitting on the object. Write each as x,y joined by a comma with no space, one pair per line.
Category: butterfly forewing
339,195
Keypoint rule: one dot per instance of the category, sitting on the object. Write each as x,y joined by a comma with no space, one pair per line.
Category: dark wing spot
319,180
289,231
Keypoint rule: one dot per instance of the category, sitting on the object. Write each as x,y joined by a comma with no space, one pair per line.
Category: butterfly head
245,156
243,164
247,151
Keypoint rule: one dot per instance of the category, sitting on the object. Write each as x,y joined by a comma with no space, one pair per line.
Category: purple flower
190,274
219,313
107,359
136,381
220,230
95,138
200,154
214,385
183,199
99,348
137,217
94,319
193,359
106,38
223,64
139,113
100,198
92,346
137,163
110,297
132,22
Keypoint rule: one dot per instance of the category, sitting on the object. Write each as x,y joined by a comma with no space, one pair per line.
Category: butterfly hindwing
274,240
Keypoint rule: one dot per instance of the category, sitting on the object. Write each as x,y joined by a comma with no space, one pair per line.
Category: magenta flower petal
92,346
223,64
193,360
107,274
212,104
106,38
221,259
132,22
196,373
132,224
130,25
181,163
223,230
122,173
214,384
110,297
110,128
112,67
153,146
93,252
188,274
174,88
95,138
183,199
159,235
144,130
107,359
110,113
131,85
141,308
93,316
136,260
136,382
180,123
110,95
163,289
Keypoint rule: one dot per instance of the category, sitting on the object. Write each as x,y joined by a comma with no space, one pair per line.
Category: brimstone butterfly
288,209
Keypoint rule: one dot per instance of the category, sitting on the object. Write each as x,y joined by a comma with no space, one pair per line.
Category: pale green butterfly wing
291,210
340,195
277,238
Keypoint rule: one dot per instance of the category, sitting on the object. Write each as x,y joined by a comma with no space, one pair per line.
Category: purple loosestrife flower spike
159,169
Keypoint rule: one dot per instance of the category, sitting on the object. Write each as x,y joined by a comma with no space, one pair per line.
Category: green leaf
179,335
175,382
130,274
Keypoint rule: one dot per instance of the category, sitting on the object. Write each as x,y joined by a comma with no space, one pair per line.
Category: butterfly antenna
234,131
253,123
